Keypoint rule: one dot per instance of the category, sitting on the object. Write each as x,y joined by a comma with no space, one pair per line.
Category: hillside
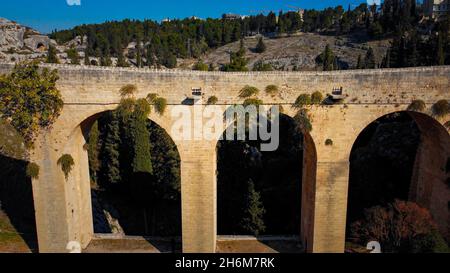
299,50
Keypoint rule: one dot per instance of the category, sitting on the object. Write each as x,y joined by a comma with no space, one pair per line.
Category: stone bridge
63,208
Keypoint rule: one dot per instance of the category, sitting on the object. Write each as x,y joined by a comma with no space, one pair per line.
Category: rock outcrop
19,43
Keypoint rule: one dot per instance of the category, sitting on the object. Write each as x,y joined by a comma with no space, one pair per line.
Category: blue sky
46,15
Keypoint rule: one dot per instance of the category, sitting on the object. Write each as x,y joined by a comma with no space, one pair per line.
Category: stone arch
428,185
307,186
77,187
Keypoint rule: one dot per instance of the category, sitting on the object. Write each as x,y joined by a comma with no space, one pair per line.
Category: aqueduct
63,207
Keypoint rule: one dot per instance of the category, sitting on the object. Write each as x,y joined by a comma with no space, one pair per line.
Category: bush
316,98
248,91
272,90
212,100
303,121
151,98
253,101
200,66
32,170
432,242
160,105
128,90
261,66
329,142
302,100
66,163
398,227
441,108
417,106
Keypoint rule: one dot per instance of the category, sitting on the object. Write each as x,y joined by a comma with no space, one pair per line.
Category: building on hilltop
436,8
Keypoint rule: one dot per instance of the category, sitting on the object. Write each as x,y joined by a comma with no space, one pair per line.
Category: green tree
29,99
440,53
52,57
93,151
254,211
110,153
141,158
201,66
121,62
73,56
138,54
86,57
261,46
359,64
369,60
261,66
327,59
238,62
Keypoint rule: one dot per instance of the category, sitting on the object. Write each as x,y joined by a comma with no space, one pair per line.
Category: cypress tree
93,151
369,60
121,62
141,157
359,64
52,57
138,54
440,54
260,47
110,154
328,59
254,211
86,57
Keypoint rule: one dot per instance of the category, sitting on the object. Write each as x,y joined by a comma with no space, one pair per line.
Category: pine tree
369,60
261,46
254,212
52,57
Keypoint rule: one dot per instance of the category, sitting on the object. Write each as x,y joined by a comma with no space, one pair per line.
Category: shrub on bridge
253,101
303,121
248,91
417,106
302,100
66,163
29,99
151,98
441,108
272,90
212,100
160,105
32,170
128,90
316,98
